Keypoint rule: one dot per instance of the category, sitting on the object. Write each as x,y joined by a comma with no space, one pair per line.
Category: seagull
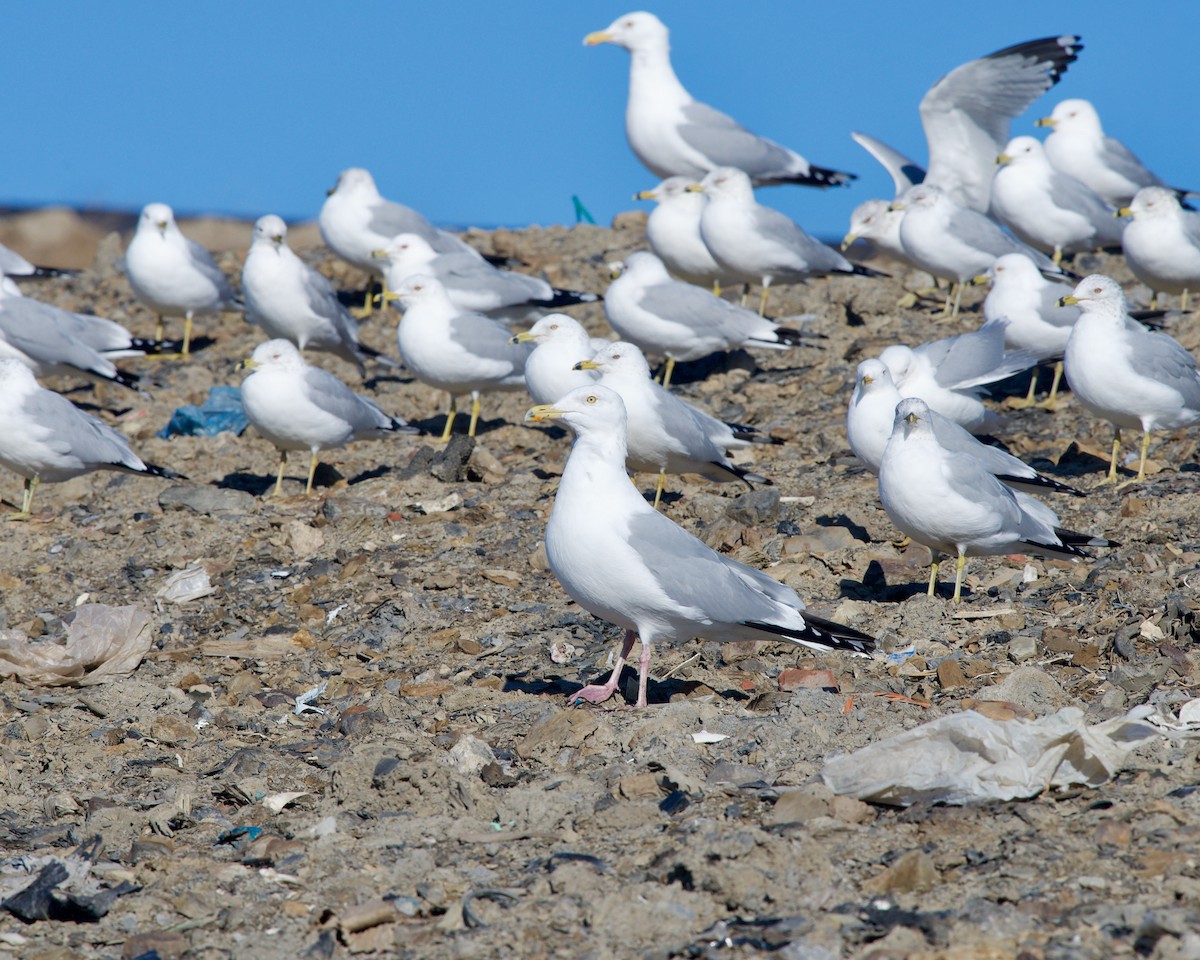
757,244
1078,146
949,374
175,276
12,264
871,414
291,301
1162,243
47,438
673,232
471,282
298,407
623,561
1124,373
456,351
680,321
966,114
954,242
877,223
664,433
1046,208
673,134
950,501
560,342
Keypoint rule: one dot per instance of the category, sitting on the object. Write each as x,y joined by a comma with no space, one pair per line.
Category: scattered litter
102,643
332,615
1187,723
967,757
451,501
703,736
281,574
64,888
277,801
221,412
183,586
563,652
238,834
304,701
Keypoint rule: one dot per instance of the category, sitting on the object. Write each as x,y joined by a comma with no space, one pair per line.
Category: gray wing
487,338
469,270
1161,358
1191,227
904,172
1078,196
700,310
957,440
33,328
816,256
973,228
1120,159
79,434
694,576
13,264
203,261
323,301
726,143
331,395
975,358
685,424
389,219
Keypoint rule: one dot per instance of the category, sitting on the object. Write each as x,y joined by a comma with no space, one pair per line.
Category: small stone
850,810
950,675
1022,648
450,465
470,755
303,539
755,507
912,873
794,678
800,806
208,501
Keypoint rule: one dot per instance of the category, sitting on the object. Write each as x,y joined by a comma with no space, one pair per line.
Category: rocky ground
443,801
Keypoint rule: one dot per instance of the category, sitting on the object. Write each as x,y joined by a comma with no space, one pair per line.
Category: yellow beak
895,205
694,188
867,379
1044,122
586,365
646,195
848,239
379,254
600,36
1123,212
912,418
1003,159
543,411
1068,300
247,364
331,191
523,337
980,280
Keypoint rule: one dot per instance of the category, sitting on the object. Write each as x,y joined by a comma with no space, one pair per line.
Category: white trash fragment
102,643
1187,725
442,505
967,757
190,583
470,755
563,652
277,801
324,827
304,701
332,615
703,736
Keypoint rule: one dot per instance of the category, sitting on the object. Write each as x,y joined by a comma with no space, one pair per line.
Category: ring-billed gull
623,561
952,241
559,342
1123,372
951,502
664,433
758,244
172,275
871,415
682,322
950,374
673,232
966,114
456,351
1162,243
876,222
471,282
1078,146
1026,303
1047,208
674,134
298,407
291,301
47,438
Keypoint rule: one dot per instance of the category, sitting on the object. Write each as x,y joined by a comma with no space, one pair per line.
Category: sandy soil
445,802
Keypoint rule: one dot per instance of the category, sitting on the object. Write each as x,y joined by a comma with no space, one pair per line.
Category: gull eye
616,356
592,398
1097,289
554,326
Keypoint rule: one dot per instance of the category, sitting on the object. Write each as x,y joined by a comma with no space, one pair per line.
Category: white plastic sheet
102,643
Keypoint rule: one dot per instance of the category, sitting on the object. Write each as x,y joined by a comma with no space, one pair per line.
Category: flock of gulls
988,209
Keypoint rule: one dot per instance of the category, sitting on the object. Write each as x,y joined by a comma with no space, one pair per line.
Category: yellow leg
158,327
762,304
1028,401
668,369
312,470
187,333
946,310
279,475
1154,300
716,288
31,484
958,575
1141,474
1051,402
368,307
1112,460
957,301
474,414
1058,254
450,419
933,571
659,487
1183,299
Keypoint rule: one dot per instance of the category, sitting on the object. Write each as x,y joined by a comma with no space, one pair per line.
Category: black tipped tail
377,356
568,298
858,270
821,634
795,338
749,434
154,470
46,273
154,347
822,177
128,380
400,426
1042,483
1072,538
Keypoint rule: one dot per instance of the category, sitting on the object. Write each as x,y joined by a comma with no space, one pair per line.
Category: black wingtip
47,273
568,298
377,356
1044,483
154,347
821,177
749,434
154,470
821,632
399,426
796,338
1057,53
128,380
1073,538
858,270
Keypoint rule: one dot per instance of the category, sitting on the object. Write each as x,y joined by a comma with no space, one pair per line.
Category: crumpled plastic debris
220,412
1186,725
190,583
102,643
967,757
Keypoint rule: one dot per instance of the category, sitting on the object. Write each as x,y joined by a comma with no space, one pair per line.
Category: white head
270,230
1023,150
673,190
276,354
729,183
644,267
1152,202
924,195
407,250
588,410
633,31
870,219
420,288
618,359
157,216
873,377
912,419
899,360
556,327
1098,294
1014,269
354,180
1073,116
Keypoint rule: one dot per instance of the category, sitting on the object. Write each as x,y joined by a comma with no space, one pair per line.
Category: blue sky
495,114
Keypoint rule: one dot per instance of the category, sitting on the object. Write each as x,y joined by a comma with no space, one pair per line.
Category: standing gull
453,350
624,562
664,433
757,244
172,275
673,232
291,301
298,407
950,501
471,282
1124,373
47,438
1047,208
680,321
1162,243
674,134
1078,146
559,343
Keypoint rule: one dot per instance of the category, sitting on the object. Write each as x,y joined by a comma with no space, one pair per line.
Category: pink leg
643,673
599,692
